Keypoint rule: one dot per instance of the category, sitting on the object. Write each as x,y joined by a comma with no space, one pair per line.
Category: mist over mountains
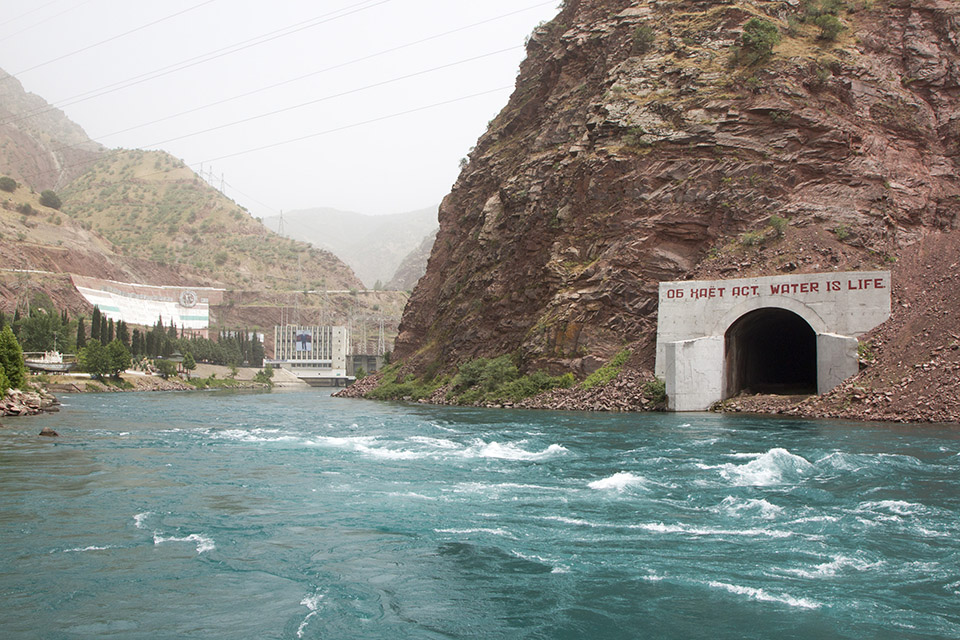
373,246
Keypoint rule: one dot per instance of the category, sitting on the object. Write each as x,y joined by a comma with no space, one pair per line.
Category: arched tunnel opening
770,351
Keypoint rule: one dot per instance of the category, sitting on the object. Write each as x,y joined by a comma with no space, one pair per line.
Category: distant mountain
39,145
413,267
373,246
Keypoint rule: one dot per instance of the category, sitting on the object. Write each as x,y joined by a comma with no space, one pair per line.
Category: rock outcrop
27,403
641,145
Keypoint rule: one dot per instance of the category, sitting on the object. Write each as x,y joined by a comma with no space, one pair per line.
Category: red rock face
612,169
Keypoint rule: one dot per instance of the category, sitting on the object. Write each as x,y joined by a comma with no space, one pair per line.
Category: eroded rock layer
644,143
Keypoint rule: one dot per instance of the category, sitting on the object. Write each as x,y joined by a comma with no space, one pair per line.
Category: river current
297,515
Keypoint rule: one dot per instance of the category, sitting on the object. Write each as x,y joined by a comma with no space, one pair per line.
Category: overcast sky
357,150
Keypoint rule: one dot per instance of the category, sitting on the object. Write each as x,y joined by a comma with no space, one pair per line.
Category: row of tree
41,327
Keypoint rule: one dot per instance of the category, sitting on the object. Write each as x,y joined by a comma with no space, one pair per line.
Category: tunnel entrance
770,350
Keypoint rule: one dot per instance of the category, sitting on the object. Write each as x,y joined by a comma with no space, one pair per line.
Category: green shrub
759,37
607,372
498,372
265,375
779,225
751,238
8,184
830,27
50,199
643,39
655,391
842,232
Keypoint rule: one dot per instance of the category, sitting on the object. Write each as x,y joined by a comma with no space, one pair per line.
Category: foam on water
470,531
139,518
897,507
311,602
762,596
91,548
776,466
760,507
837,565
620,481
660,527
203,543
511,451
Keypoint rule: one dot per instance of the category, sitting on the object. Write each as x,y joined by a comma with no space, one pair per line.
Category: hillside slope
373,246
39,145
152,207
640,143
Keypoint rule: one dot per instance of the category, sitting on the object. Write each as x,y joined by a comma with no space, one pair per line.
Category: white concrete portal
779,334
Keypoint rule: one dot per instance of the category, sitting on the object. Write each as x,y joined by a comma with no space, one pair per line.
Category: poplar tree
95,324
110,331
123,333
11,360
81,334
103,330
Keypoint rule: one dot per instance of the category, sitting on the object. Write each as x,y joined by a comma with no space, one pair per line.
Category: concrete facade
315,354
715,338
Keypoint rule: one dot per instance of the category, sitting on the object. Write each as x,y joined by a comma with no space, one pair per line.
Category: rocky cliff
39,145
650,140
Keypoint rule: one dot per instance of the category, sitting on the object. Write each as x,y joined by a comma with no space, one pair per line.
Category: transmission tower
381,343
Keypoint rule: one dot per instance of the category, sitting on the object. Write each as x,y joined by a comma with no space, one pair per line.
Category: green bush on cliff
408,388
484,381
8,184
607,372
759,37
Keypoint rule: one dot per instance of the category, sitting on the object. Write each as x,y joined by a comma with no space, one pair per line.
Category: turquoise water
296,515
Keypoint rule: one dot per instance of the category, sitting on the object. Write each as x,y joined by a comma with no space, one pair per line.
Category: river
297,515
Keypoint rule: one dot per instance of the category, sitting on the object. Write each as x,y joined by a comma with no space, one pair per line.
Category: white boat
49,361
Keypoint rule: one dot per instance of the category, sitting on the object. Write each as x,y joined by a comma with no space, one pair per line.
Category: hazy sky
344,94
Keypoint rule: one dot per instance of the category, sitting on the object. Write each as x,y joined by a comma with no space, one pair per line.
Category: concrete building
780,334
183,307
317,355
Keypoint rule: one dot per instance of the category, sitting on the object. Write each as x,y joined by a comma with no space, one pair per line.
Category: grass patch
213,382
607,372
409,387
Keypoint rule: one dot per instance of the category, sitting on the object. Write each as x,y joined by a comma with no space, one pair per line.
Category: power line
26,13
320,71
151,75
45,20
112,38
201,59
330,97
357,124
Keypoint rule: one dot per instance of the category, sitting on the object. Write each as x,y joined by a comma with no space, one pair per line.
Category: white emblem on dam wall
779,334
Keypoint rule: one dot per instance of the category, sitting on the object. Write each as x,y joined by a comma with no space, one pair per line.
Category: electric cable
356,124
320,71
197,60
331,97
45,20
110,39
26,13
157,73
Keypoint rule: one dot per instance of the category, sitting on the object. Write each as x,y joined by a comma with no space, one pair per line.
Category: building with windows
317,355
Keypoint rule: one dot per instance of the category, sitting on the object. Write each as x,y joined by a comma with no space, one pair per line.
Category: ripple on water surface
297,515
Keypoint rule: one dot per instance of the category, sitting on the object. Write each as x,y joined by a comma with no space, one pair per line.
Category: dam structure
790,334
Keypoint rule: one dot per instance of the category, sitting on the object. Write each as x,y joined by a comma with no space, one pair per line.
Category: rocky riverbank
28,403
